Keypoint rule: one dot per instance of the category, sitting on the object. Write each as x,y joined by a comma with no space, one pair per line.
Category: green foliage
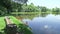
56,9
8,6
30,8
43,9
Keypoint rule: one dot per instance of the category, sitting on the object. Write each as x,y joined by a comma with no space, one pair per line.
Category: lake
44,23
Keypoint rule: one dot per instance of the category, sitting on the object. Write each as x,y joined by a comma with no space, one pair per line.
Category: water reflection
43,14
26,16
44,23
55,13
47,25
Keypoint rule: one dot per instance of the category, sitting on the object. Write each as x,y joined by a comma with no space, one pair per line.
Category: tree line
9,6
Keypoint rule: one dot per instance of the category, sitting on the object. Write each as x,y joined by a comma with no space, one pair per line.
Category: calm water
49,24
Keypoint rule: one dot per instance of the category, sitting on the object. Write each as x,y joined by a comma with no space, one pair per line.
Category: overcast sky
47,3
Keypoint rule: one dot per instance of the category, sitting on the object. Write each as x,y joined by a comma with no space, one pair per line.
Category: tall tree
43,9
10,4
30,8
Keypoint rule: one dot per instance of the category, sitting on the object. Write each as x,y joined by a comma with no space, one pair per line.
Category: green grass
21,27
2,23
14,20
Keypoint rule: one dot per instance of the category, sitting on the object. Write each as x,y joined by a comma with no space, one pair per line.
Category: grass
21,27
2,25
16,21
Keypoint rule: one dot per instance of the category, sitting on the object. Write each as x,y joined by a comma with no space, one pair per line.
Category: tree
11,5
55,10
30,8
43,9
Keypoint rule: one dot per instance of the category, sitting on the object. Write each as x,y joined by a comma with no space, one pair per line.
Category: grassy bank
2,24
21,27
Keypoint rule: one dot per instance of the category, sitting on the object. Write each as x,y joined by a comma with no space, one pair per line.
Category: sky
46,3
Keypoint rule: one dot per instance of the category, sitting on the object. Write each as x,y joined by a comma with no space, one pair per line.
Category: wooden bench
10,27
